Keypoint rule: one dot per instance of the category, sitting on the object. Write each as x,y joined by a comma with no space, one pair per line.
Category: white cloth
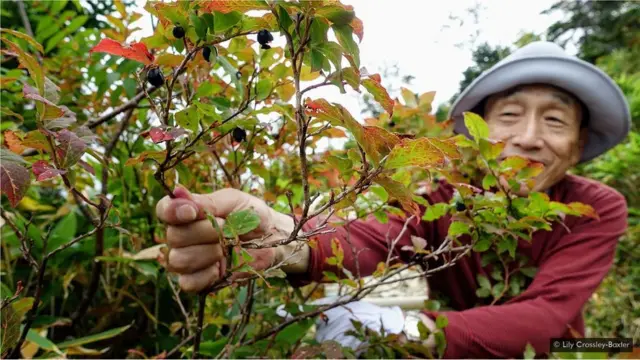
339,320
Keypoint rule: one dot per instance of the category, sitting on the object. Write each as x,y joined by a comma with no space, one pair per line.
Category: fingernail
186,213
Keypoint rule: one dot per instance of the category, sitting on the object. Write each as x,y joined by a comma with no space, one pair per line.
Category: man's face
540,123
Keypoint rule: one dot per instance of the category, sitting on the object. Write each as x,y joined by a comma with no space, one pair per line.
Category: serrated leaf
14,181
476,125
188,118
240,222
422,152
344,34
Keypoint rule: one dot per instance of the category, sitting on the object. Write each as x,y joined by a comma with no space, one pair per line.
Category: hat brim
609,115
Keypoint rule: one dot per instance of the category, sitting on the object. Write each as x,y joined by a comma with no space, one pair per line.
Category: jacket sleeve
568,274
369,239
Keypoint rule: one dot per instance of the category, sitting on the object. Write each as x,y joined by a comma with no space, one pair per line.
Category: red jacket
570,265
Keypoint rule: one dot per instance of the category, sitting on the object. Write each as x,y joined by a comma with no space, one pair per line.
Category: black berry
460,206
238,75
178,32
392,124
265,37
155,77
239,134
206,53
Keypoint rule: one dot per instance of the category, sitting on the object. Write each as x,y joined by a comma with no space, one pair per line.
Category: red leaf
379,93
87,167
14,181
158,135
135,51
43,171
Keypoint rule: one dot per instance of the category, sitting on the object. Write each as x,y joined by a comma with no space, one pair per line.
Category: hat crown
537,49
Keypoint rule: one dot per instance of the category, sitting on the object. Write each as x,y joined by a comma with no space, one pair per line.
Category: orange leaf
135,51
379,93
358,28
227,6
13,142
584,209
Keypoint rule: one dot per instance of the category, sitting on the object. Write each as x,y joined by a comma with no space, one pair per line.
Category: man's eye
508,114
554,120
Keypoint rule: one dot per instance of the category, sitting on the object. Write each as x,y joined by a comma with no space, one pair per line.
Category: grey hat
544,62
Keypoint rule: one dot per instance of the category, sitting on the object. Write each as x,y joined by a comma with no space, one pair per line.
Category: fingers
199,280
194,258
195,233
178,211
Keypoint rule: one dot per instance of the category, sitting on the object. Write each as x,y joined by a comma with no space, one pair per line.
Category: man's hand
196,252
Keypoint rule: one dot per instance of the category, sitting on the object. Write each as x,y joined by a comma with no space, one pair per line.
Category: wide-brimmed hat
543,62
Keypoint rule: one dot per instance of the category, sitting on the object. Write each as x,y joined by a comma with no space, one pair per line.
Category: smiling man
546,106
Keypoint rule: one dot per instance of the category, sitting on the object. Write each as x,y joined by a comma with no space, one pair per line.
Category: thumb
180,192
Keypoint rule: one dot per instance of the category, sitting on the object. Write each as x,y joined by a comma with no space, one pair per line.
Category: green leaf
529,352
483,292
294,332
529,271
380,192
514,286
497,289
200,26
482,245
489,181
496,273
476,125
458,228
435,211
213,348
432,305
344,34
93,338
64,232
263,89
224,22
207,89
441,321
342,164
336,14
331,276
333,52
188,118
41,341
208,20
246,257
423,330
240,222
285,19
25,37
483,281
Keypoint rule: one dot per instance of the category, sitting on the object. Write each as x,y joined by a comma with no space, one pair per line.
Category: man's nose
528,136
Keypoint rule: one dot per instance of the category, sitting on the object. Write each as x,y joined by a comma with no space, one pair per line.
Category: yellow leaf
170,60
307,75
30,204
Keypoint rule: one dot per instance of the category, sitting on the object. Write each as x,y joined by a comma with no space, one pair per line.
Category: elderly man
546,106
